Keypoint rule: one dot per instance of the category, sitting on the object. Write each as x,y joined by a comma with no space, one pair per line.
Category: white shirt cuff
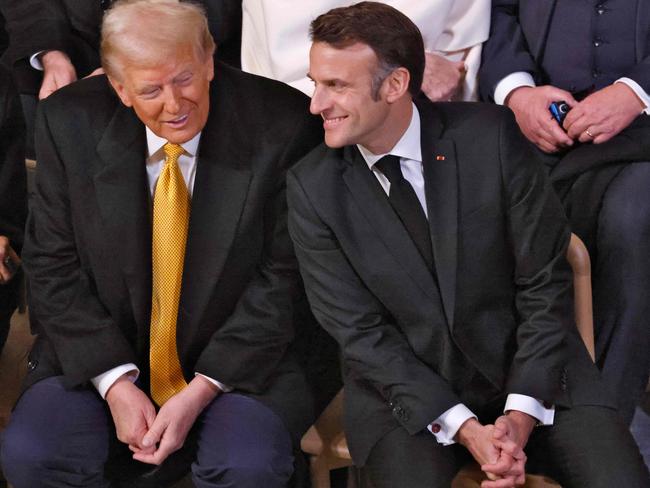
509,83
105,380
640,92
221,386
446,426
35,62
531,406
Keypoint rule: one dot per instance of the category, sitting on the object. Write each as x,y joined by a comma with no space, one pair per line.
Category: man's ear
396,84
121,91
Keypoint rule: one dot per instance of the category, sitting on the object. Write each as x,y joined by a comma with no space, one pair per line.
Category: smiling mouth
178,121
332,122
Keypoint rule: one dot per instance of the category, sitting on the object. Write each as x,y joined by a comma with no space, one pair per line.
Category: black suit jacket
499,240
73,26
13,187
88,242
518,33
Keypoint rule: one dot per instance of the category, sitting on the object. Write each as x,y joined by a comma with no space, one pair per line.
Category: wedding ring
589,133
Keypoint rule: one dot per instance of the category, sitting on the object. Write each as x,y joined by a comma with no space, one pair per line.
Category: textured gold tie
171,211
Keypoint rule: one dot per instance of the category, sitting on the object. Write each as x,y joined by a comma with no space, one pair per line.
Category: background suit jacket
518,35
499,239
73,26
88,241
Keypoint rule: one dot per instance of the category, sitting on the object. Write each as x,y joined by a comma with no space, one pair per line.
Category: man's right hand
132,411
479,441
58,72
530,106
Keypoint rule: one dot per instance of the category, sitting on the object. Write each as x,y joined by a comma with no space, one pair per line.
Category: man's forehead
325,57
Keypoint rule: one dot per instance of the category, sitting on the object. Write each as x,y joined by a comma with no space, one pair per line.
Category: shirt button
435,428
595,73
600,9
597,42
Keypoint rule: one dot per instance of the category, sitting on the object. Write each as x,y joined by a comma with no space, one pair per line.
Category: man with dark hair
433,249
162,276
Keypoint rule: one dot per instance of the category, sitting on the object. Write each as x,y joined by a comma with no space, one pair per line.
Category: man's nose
172,100
319,100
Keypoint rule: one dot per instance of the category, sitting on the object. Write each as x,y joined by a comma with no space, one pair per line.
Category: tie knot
172,152
389,165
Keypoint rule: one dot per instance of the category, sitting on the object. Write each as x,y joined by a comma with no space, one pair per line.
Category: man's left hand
603,114
442,79
174,421
510,435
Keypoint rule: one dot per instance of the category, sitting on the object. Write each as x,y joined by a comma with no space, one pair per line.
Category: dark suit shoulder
320,164
271,96
85,103
458,117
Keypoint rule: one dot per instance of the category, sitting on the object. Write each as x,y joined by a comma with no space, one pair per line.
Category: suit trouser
622,286
586,447
58,437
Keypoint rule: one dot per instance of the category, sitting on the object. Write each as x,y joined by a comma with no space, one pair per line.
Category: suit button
31,364
435,428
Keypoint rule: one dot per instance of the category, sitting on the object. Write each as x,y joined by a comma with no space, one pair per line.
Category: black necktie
405,202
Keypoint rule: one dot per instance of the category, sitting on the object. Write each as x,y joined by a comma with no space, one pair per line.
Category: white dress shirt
155,162
275,35
408,148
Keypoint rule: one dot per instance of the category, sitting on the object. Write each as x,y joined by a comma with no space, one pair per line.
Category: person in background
275,41
13,199
595,57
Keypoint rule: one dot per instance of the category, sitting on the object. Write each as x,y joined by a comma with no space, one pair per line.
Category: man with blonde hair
162,275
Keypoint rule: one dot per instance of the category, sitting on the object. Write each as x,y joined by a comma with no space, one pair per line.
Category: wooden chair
327,446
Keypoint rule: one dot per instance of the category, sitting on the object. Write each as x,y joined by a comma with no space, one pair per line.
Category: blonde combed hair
146,33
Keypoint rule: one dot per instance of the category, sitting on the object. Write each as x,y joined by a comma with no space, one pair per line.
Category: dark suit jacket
88,241
13,187
499,241
73,26
518,34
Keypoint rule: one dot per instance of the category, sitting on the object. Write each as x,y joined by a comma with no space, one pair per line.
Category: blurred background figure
275,41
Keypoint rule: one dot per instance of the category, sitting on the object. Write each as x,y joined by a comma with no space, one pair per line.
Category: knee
246,473
21,459
625,214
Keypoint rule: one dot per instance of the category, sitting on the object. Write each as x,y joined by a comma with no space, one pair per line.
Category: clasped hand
596,119
154,436
499,448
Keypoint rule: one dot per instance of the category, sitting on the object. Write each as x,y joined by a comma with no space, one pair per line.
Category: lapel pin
440,158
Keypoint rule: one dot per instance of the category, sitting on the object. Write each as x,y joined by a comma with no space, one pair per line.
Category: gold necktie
171,210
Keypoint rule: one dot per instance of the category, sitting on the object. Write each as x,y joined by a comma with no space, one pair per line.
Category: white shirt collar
155,144
408,147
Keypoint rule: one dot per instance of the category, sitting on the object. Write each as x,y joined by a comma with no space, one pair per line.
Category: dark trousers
58,437
586,447
622,286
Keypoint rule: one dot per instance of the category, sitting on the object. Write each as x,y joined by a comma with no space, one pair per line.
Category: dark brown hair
396,40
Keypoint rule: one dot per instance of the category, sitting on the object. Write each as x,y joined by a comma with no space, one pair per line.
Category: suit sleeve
36,25
63,298
372,345
13,190
539,235
506,50
244,353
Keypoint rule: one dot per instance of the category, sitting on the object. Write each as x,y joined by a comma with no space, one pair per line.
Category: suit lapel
372,201
123,200
220,191
441,189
